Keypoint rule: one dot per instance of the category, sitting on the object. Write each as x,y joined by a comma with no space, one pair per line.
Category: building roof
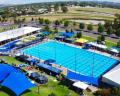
17,32
81,40
112,77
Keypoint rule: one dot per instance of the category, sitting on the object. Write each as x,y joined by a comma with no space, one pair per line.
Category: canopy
17,82
17,32
67,34
81,85
5,70
81,40
114,50
48,67
98,45
50,61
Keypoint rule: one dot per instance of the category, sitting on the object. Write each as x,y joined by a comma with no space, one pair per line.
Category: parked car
23,65
41,79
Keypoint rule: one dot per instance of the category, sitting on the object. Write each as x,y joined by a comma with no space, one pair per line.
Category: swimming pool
79,60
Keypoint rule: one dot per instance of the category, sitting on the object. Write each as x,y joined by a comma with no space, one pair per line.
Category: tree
90,27
107,24
74,24
116,23
41,20
49,8
109,30
56,7
47,21
56,30
79,35
23,20
46,28
66,23
82,26
66,31
32,19
118,43
100,28
57,23
64,9
101,38
52,94
115,91
117,32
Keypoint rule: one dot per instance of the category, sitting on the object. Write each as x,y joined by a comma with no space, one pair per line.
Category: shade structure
49,61
81,85
97,45
114,50
8,46
17,82
81,40
49,68
67,34
5,70
17,32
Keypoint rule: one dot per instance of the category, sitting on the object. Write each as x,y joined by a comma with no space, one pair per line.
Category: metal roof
17,32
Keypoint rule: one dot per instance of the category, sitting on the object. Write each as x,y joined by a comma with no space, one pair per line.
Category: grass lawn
45,90
108,43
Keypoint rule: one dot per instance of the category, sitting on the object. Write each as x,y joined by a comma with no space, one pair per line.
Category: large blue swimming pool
76,59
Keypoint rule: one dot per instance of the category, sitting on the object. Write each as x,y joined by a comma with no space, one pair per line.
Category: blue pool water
78,60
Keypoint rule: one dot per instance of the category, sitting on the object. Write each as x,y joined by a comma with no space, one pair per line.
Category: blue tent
68,34
5,70
17,82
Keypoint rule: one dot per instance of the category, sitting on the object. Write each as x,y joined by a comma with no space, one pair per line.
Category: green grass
108,43
90,39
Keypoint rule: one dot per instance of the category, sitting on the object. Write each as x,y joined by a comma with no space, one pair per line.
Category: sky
35,1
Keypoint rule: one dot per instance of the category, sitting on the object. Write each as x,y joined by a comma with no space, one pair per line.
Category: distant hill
3,5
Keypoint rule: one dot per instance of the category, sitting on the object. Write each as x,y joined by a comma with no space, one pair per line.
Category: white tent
114,50
112,78
81,85
17,32
98,45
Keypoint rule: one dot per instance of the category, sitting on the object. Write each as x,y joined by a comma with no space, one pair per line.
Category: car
23,65
41,79
34,75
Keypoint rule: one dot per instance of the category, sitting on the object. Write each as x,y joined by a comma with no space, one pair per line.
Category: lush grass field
108,43
79,13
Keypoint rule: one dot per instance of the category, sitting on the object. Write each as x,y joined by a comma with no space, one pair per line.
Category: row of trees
108,92
111,27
